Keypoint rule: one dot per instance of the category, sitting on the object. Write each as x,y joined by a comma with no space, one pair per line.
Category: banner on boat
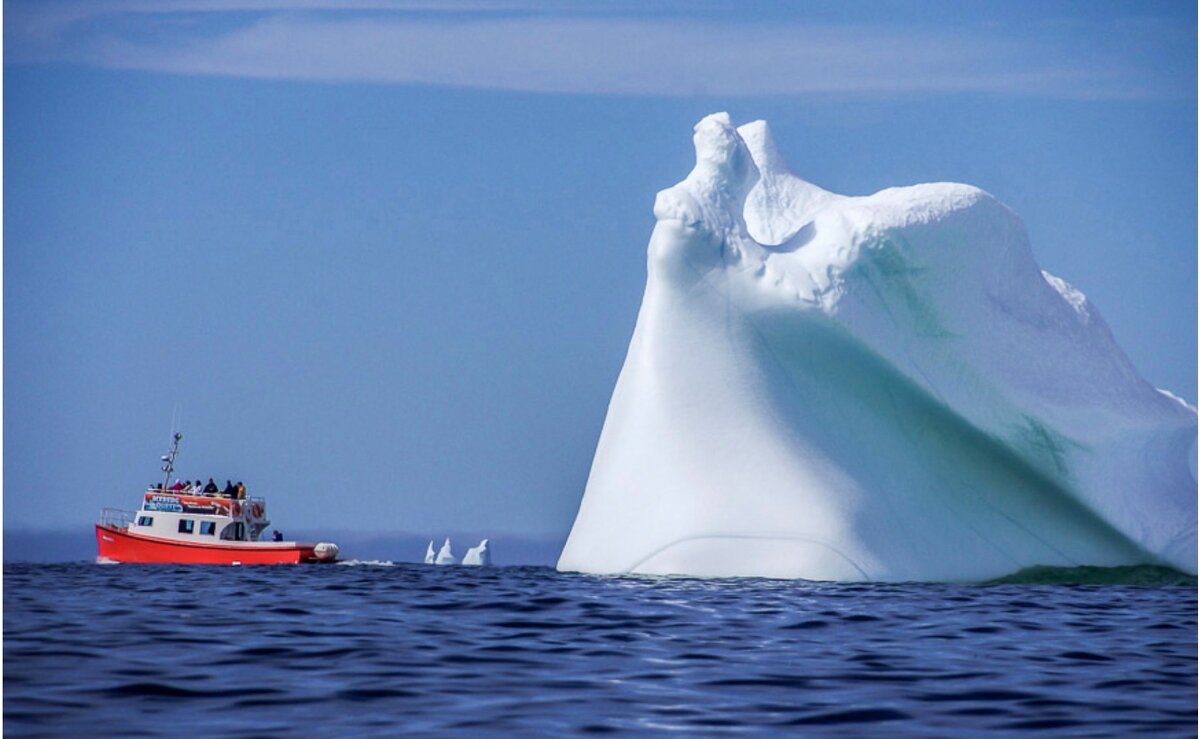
187,504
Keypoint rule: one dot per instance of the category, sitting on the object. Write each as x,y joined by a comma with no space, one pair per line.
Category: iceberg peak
720,151
758,140
724,170
779,204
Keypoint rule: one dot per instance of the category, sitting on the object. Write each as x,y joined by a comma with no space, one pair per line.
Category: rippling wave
373,650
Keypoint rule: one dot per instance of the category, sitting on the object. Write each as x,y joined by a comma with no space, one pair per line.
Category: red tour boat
191,527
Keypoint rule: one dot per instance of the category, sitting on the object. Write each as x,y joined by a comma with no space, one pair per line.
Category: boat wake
367,563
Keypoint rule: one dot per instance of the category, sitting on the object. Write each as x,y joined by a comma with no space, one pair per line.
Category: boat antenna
169,459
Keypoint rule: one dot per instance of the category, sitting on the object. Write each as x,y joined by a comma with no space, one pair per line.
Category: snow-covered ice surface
871,388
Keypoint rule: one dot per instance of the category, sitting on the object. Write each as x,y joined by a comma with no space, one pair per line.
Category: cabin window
145,520
186,525
208,528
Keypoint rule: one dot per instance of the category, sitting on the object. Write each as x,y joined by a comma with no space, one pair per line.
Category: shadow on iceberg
1149,575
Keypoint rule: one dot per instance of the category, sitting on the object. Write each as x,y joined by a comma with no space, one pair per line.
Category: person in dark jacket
211,488
230,490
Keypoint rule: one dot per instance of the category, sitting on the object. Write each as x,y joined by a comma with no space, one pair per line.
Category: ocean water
369,649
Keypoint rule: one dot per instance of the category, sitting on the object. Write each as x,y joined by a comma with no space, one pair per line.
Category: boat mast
169,458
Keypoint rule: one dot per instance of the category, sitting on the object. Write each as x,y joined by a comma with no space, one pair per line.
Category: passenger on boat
211,488
241,491
278,535
178,486
230,490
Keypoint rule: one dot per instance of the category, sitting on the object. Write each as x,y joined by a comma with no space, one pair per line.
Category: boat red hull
119,545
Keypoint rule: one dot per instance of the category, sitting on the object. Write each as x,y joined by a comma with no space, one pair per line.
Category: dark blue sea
369,649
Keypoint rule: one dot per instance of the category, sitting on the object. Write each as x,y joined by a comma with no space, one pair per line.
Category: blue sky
386,257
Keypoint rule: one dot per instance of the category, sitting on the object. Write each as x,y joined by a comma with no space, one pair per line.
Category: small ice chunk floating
191,526
480,555
445,556
884,387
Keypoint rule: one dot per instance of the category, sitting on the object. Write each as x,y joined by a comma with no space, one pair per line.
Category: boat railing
189,492
192,493
115,518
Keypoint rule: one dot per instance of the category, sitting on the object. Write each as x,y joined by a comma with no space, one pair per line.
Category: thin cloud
518,47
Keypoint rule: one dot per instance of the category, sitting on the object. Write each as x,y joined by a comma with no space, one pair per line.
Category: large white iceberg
871,388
